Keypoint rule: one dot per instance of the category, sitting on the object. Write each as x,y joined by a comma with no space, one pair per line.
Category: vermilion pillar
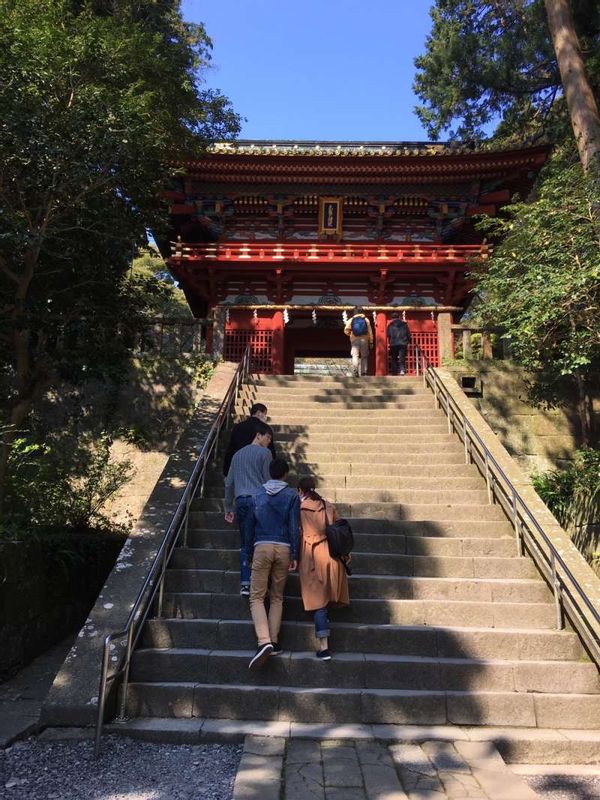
380,333
278,344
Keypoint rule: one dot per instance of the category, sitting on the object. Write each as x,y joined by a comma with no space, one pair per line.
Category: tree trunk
584,411
581,103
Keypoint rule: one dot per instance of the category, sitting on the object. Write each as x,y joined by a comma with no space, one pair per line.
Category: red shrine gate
265,234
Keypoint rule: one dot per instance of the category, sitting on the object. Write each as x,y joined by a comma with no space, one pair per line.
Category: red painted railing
345,252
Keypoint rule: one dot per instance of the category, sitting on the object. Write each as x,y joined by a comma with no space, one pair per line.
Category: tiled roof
264,147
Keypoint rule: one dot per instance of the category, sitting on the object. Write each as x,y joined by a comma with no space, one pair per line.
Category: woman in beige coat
323,580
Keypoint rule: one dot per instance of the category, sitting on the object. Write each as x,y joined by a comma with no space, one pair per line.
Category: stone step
362,439
425,611
358,670
401,408
371,706
389,511
396,544
439,490
389,462
285,431
445,526
517,745
379,587
365,381
338,416
214,484
416,640
408,475
378,564
361,449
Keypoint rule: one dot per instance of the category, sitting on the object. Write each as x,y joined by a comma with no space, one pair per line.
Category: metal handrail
155,579
569,596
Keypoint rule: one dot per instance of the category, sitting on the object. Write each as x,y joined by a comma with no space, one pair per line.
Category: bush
62,482
573,496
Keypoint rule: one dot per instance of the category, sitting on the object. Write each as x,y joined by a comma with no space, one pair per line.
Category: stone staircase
448,626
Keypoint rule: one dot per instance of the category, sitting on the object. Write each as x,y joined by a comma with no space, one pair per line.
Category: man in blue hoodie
272,540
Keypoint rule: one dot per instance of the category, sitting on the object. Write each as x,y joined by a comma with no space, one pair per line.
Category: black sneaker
261,655
245,590
324,655
277,649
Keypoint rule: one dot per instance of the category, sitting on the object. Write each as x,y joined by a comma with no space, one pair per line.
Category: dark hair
278,468
307,486
258,407
262,428
395,315
358,310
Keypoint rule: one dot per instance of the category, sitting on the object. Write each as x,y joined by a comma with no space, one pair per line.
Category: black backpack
340,539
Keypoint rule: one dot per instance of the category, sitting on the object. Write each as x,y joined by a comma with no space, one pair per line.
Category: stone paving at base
355,769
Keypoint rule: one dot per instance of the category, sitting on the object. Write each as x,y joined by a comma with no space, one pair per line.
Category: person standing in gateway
398,334
358,328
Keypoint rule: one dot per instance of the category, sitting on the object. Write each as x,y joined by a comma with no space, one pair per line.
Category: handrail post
560,622
161,585
487,477
186,518
417,358
102,695
466,441
125,685
516,525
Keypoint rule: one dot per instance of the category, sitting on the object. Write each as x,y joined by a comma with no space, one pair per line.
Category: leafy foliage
62,483
573,496
99,99
542,284
492,64
162,297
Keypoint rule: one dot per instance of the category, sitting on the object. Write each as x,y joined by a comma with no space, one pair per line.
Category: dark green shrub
573,496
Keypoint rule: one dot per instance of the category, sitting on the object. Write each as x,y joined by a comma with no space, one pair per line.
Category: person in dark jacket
398,334
243,434
272,543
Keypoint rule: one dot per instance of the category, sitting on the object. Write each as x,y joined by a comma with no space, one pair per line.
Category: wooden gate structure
266,235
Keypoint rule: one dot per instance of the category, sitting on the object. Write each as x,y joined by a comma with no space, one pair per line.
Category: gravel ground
565,787
126,770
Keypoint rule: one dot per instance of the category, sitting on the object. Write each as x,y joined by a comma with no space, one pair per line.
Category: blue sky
302,69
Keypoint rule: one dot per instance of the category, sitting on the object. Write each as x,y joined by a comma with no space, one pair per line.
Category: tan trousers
359,351
270,561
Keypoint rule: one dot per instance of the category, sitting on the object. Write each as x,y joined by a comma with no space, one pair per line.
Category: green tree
99,98
163,297
492,64
542,286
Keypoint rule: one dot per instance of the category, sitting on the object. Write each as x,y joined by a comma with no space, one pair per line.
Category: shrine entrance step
319,365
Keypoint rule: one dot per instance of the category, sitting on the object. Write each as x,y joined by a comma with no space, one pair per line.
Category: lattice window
261,343
428,342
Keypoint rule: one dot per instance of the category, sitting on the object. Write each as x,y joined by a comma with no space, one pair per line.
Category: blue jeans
321,623
243,508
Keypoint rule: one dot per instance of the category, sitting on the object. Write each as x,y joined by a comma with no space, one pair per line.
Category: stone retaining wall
538,439
47,587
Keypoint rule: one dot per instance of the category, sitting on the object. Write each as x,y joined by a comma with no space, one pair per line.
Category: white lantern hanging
314,316
286,316
404,316
344,316
432,316
227,315
255,314
374,317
